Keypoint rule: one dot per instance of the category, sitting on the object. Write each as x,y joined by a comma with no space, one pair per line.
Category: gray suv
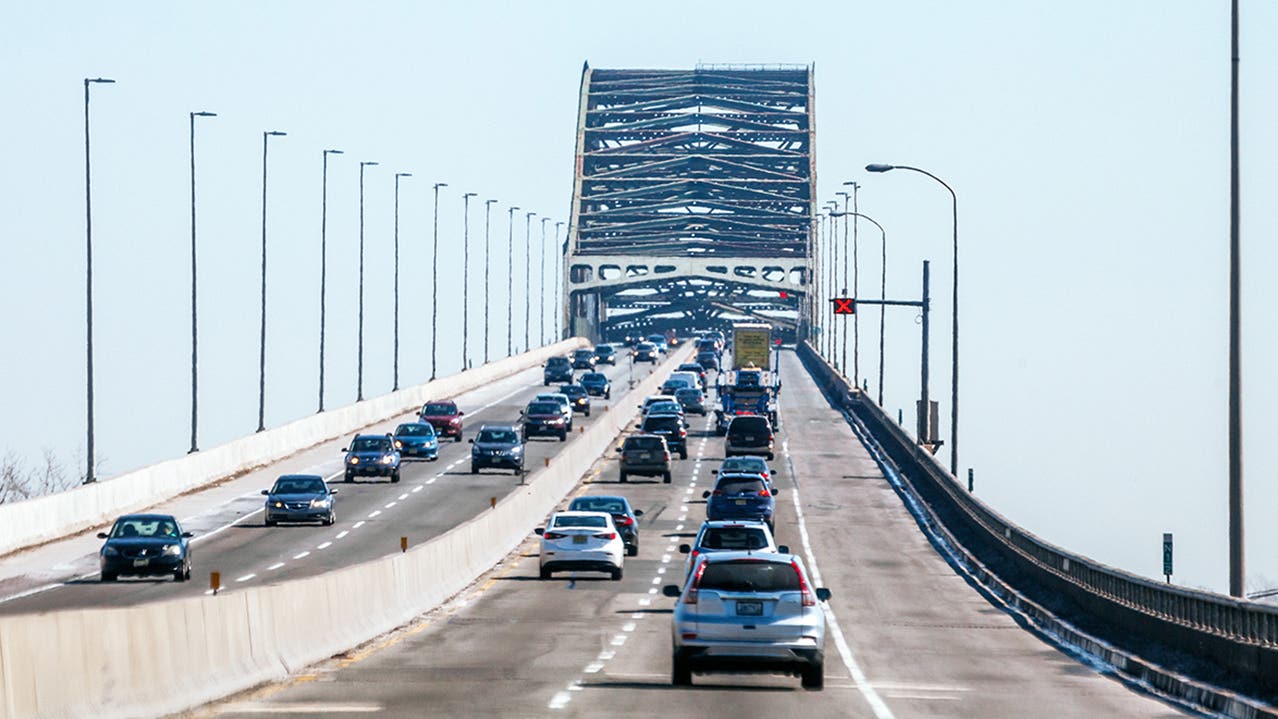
646,455
748,612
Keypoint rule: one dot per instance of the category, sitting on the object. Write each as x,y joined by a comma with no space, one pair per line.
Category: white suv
748,612
581,541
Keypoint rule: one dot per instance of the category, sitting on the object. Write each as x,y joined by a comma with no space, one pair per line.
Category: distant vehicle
645,352
654,398
660,341
746,464
748,611
646,455
669,426
605,354
581,542
444,416
417,439
497,446
583,359
692,400
145,545
730,536
631,340
686,378
708,360
557,369
300,498
624,517
372,455
749,434
561,399
696,369
741,496
751,345
709,345
544,418
578,397
597,384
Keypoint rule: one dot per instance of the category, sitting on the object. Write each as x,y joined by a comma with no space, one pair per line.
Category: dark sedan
605,354
578,398
300,498
145,545
499,447
708,360
544,418
597,384
645,352
624,517
741,496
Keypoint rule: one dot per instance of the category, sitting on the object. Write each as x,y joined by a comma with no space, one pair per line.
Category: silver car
727,535
748,612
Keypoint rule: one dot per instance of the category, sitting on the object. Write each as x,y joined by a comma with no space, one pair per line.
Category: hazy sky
1088,143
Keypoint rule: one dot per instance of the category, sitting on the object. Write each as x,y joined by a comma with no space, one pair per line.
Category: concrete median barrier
41,519
165,657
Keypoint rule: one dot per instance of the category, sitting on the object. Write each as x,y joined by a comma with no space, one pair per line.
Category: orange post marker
215,581
492,503
403,544
547,461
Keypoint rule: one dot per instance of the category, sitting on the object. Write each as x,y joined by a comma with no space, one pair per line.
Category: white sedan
581,541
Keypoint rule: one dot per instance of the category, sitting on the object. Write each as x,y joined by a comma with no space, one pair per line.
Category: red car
444,416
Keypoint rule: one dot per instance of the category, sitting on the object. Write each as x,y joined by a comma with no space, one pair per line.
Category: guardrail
1237,635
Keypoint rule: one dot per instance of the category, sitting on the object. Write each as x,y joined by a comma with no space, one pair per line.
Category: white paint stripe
606,654
560,700
374,513
343,533
274,567
618,640
403,496
299,556
679,528
656,580
594,667
390,504
629,627
418,488
431,480
325,545
246,577
358,524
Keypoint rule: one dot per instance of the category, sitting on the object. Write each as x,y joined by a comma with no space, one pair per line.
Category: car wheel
544,573
474,469
563,436
546,383
683,453
632,551
770,456
587,413
665,478
395,477
270,522
349,477
435,458
814,675
108,577
608,394
681,673
458,437
331,519
622,478
616,574
181,575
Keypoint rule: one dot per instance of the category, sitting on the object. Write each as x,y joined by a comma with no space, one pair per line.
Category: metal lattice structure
693,199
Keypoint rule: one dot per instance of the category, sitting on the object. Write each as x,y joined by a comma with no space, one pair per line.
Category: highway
373,514
908,636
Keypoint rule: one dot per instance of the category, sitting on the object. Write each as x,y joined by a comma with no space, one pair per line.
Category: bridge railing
1238,635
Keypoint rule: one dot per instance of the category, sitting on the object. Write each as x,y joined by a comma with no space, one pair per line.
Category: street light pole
261,364
510,276
323,270
195,447
832,239
882,290
527,275
843,292
856,319
434,287
91,458
395,371
359,371
558,271
488,206
954,335
466,279
1237,554
541,285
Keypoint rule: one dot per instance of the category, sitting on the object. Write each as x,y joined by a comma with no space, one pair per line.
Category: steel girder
688,172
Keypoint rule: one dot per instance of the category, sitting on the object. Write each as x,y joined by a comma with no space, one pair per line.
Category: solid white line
274,567
325,545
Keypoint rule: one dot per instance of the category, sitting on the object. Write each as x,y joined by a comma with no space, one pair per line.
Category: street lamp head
403,174
844,195
88,80
333,152
204,114
469,194
439,185
513,209
274,133
367,163
489,202
879,168
852,183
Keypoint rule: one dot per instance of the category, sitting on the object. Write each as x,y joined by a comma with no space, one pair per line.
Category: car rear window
740,485
598,504
661,423
644,443
743,538
562,521
749,425
743,464
439,408
688,393
543,408
750,576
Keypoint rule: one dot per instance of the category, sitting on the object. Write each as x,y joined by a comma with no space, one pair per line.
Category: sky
1087,142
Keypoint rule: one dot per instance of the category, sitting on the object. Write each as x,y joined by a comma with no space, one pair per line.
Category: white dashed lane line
389,505
358,524
374,513
325,545
343,533
403,496
303,554
246,577
274,567
418,488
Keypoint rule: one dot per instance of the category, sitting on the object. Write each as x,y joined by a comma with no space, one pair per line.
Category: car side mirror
774,489
266,492
714,471
823,594
187,535
671,590
460,413
102,535
685,549
471,440
616,449
538,531
705,494
638,512
783,549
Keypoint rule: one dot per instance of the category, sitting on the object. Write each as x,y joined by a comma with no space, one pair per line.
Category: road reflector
403,544
492,503
215,581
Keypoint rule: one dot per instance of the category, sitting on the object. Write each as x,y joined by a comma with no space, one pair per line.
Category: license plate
749,609
579,539
141,562
740,502
645,455
747,438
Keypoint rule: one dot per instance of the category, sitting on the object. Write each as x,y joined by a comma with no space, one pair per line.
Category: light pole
261,364
954,334
395,373
882,290
488,206
510,276
841,346
832,239
434,286
1237,564
195,447
323,270
466,279
856,285
541,285
359,371
527,275
88,285
558,271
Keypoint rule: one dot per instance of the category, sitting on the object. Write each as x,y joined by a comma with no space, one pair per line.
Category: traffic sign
1167,555
844,305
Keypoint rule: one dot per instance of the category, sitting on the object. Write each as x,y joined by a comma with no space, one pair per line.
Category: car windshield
740,485
688,393
146,527
583,354
604,349
543,408
645,346
611,505
299,485
415,430
573,390
741,538
750,576
656,339
550,398
439,408
557,361
644,443
592,377
661,424
579,521
370,444
743,464
748,424
497,436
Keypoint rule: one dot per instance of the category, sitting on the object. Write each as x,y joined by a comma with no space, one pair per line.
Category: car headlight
320,503
388,458
279,504
173,549
399,444
353,460
110,552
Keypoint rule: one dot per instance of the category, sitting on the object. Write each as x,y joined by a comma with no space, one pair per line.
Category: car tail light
691,597
683,433
689,635
606,535
693,557
622,520
554,535
764,493
769,438
667,456
809,599
717,493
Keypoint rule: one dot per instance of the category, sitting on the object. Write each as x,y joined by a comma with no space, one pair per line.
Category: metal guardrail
1239,635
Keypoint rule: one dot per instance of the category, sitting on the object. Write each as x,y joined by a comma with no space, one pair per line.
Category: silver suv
748,612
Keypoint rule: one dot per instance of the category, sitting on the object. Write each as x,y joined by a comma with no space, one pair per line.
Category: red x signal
844,305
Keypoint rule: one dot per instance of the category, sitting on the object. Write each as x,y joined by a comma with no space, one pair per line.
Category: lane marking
374,513
303,554
343,533
416,489
325,545
275,566
358,524
389,505
560,700
246,577
403,496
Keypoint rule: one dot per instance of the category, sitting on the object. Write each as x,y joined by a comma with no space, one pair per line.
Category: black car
578,398
605,354
583,359
497,446
300,498
544,418
558,369
645,352
145,545
749,434
597,384
670,427
625,518
708,360
372,455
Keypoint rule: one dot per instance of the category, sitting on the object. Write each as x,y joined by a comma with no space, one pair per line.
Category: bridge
693,206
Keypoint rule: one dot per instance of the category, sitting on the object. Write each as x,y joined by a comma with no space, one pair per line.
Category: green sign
1167,554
